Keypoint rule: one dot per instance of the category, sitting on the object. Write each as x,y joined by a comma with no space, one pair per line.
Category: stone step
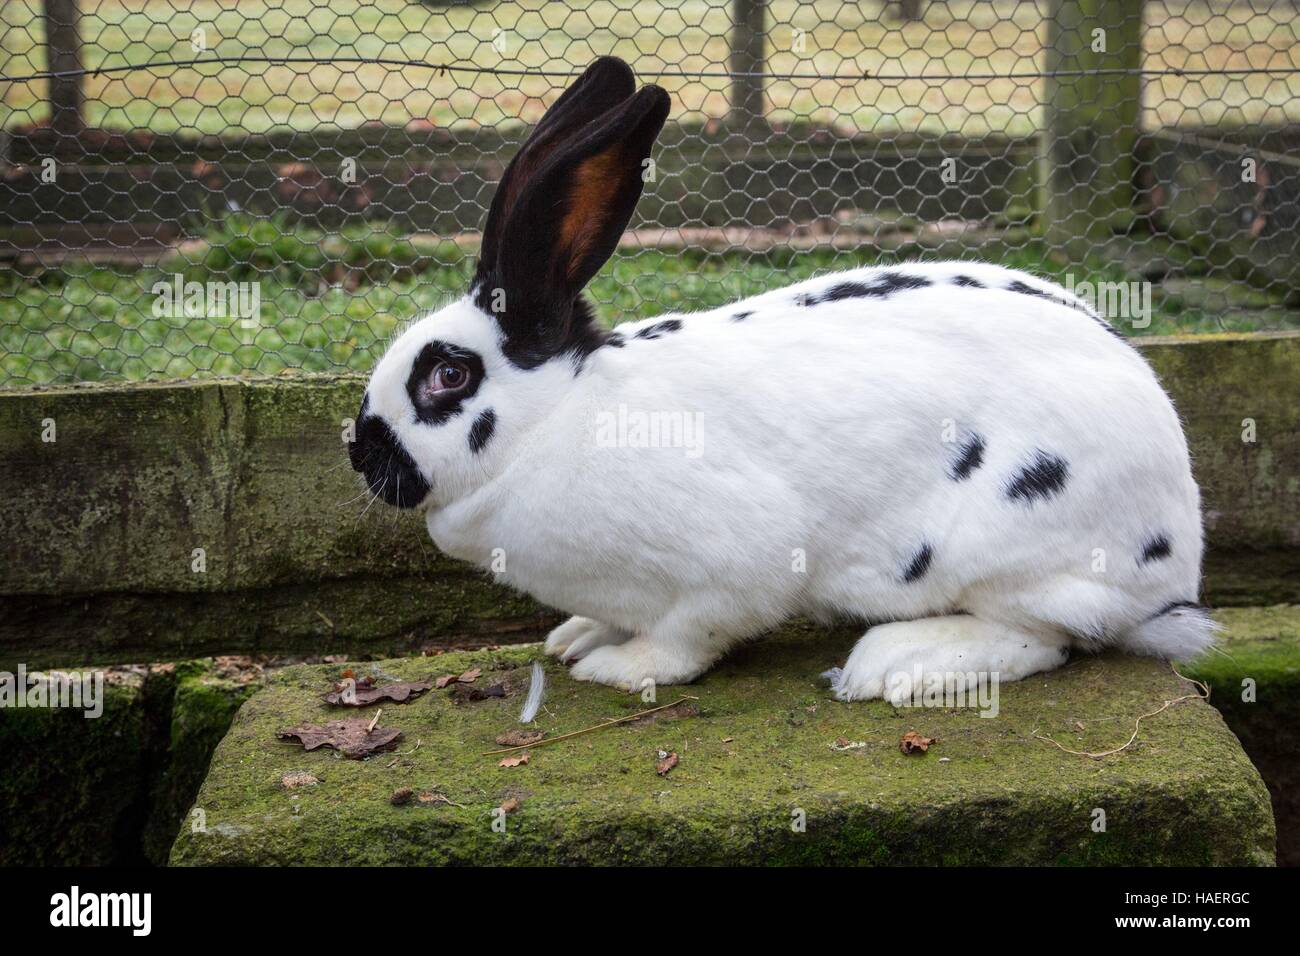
769,769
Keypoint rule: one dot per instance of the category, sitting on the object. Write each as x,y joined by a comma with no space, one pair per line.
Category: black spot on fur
845,290
434,409
879,286
659,329
1177,606
891,282
1156,549
1025,289
616,340
480,433
919,564
968,282
741,316
969,457
1043,477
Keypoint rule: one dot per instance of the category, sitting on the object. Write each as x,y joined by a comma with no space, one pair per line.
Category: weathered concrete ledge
756,758
1255,684
113,789
100,530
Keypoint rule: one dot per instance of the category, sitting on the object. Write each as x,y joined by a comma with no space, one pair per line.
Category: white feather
536,691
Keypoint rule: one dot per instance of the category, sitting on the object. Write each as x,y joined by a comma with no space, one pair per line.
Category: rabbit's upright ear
564,225
604,84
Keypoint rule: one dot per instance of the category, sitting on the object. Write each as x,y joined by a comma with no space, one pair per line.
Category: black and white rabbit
966,453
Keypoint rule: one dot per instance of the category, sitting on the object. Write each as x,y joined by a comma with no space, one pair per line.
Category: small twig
587,730
374,721
404,753
1204,694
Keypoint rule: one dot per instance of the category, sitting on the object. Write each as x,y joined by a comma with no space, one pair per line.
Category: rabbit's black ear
604,84
565,224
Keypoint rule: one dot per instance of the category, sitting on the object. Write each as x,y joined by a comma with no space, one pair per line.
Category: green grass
330,301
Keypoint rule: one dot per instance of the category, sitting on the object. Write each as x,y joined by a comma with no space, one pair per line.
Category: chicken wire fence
205,187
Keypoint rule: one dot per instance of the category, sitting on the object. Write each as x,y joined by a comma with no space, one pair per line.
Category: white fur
821,469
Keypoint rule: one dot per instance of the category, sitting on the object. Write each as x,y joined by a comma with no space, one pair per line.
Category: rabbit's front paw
630,665
580,635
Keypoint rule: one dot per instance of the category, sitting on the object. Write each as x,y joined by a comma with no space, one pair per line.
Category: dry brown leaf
510,805
467,693
468,677
913,742
518,737
433,796
363,695
513,761
352,738
666,763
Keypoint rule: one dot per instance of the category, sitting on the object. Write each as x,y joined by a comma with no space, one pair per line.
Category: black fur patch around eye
741,316
969,457
651,332
480,433
968,282
919,564
436,409
880,286
1156,549
1043,477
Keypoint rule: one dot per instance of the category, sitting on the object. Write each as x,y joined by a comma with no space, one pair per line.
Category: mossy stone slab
1256,686
755,761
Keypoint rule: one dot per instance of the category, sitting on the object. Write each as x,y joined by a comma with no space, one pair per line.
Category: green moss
70,791
203,705
758,752
1255,684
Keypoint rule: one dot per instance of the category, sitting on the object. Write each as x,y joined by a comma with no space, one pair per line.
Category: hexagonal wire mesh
316,171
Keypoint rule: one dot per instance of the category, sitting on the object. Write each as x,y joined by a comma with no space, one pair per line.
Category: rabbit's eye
447,378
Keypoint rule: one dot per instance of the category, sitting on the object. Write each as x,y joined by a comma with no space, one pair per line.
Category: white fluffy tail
1179,632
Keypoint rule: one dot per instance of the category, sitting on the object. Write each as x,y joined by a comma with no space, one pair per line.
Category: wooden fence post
748,33
1090,120
63,53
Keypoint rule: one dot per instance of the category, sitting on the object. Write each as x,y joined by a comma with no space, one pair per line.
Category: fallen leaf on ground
666,762
401,796
513,761
518,737
298,778
509,806
913,742
363,695
468,677
463,692
433,796
352,738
